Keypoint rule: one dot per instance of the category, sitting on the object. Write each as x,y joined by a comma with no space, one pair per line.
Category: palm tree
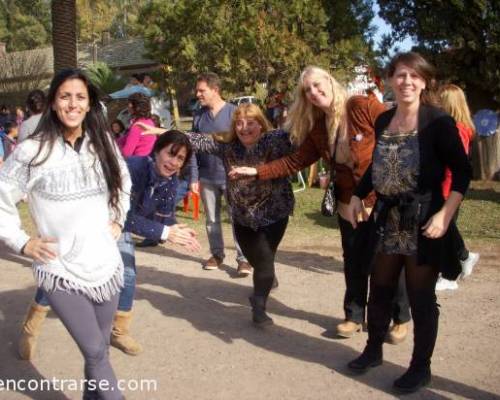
64,34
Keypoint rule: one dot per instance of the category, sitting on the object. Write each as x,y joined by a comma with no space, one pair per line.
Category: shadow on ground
220,308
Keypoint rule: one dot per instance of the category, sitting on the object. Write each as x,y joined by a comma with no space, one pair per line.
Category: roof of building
118,54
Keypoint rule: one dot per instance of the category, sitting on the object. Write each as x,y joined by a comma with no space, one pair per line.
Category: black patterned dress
396,163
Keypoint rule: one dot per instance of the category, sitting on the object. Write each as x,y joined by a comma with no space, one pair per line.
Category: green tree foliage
262,41
462,37
25,24
119,17
104,78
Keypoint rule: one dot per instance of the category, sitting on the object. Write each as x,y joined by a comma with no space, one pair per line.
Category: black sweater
439,147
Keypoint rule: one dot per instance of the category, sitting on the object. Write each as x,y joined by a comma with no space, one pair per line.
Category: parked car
245,99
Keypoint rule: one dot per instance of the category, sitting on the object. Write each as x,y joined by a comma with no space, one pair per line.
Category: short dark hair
177,139
141,105
117,121
139,77
35,101
211,79
9,125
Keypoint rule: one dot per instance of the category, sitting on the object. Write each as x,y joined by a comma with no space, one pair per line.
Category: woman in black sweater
411,224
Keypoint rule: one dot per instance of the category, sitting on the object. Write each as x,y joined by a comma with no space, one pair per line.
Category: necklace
403,124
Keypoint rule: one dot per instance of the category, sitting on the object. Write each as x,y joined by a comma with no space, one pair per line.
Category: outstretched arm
305,155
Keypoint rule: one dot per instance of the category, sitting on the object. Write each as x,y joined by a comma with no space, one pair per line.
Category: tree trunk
64,34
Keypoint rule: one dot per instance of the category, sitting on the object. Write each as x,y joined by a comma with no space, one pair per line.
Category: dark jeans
356,282
259,247
463,253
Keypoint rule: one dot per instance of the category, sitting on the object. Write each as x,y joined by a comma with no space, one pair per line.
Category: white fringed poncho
68,200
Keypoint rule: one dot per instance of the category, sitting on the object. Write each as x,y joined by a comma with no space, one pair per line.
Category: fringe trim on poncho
103,292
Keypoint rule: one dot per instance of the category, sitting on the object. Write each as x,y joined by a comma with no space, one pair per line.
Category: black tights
420,285
259,247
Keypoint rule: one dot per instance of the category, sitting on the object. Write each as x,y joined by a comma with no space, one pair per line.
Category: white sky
382,28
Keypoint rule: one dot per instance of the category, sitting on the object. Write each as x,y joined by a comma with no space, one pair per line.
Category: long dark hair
50,129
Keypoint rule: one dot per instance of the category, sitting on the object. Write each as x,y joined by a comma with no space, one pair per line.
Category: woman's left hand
116,229
242,172
150,130
436,226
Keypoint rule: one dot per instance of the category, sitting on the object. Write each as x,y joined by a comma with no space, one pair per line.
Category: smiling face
248,130
318,90
167,163
407,85
71,104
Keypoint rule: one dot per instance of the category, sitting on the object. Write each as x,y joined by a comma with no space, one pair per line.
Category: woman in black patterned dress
411,223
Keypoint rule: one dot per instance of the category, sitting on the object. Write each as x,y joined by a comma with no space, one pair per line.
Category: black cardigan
439,147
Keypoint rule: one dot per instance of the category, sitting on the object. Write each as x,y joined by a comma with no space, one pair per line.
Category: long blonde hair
302,114
453,101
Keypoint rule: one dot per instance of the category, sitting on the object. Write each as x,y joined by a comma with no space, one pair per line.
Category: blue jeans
127,252
211,196
182,190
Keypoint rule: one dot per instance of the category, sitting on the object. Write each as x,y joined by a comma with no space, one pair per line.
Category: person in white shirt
78,188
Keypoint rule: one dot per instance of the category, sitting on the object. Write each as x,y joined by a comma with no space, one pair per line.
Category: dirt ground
199,342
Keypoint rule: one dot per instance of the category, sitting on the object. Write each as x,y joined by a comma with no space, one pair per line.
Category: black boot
379,318
413,379
259,316
379,315
425,327
369,358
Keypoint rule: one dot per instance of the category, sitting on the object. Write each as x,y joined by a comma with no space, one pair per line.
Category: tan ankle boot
397,333
31,329
348,329
120,337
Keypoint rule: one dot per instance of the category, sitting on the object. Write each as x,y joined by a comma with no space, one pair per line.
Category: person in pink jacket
452,99
134,143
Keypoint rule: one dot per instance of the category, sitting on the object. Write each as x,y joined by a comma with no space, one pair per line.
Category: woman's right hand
182,235
242,172
40,249
356,211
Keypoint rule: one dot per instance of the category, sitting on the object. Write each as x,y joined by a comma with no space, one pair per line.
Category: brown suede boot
120,337
31,329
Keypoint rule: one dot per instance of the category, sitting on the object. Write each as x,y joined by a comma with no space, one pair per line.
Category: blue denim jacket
152,199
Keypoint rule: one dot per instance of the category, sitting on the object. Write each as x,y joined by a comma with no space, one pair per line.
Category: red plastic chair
196,204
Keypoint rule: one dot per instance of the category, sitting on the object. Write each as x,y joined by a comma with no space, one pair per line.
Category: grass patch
479,217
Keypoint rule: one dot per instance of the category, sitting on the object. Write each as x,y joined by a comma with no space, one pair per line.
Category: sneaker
445,284
348,329
212,263
244,268
468,264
